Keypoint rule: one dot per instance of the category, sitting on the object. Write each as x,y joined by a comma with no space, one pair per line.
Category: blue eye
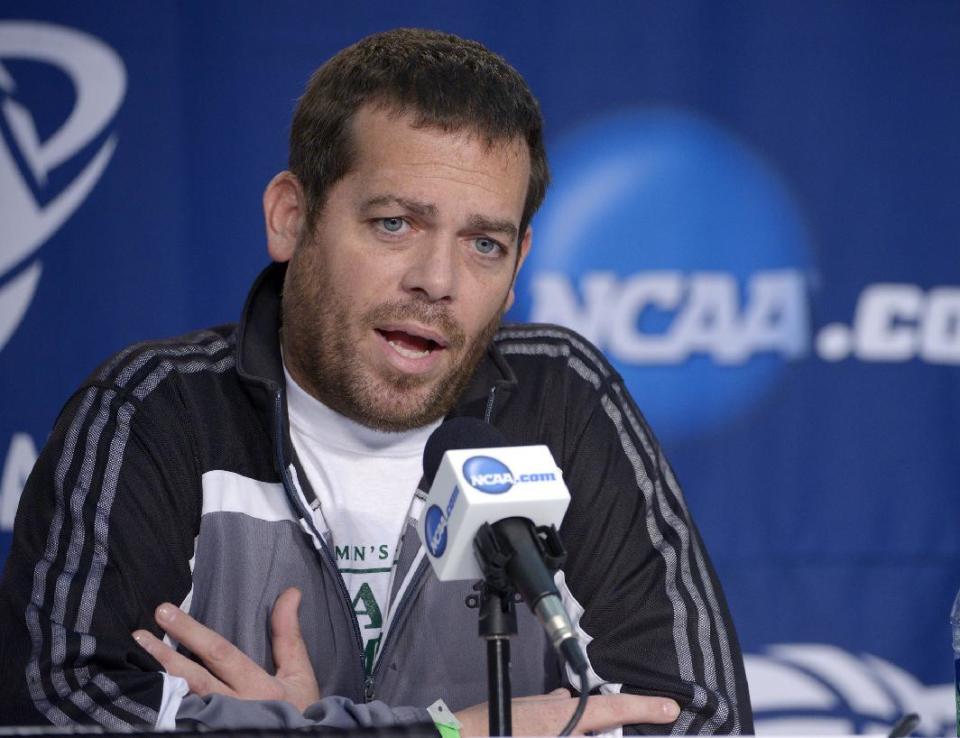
486,245
392,225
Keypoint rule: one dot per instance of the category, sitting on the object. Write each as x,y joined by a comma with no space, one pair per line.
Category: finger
200,681
227,662
289,650
615,710
294,669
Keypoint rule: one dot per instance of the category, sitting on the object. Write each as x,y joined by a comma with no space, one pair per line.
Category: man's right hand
547,714
226,669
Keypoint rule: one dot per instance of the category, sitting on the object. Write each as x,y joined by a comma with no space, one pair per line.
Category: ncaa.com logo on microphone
435,525
493,477
682,254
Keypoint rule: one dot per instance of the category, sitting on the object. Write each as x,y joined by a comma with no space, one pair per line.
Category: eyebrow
475,222
492,225
416,207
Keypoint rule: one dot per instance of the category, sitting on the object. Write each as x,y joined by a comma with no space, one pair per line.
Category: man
213,484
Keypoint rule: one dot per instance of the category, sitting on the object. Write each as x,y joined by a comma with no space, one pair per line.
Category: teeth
409,353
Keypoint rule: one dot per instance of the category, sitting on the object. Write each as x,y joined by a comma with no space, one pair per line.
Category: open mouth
410,345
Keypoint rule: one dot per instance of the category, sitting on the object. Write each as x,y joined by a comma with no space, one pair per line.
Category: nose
432,271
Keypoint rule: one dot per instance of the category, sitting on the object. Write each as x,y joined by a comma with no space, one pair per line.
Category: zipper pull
368,690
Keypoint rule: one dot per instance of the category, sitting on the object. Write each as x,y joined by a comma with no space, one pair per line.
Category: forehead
391,151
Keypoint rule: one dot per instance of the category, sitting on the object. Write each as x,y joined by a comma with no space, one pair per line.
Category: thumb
289,650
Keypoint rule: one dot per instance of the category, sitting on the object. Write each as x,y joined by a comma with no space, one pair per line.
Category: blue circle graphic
676,249
435,531
487,474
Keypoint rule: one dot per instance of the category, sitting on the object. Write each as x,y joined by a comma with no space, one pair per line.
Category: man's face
392,300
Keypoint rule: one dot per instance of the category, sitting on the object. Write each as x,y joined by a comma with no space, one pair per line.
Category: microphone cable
581,702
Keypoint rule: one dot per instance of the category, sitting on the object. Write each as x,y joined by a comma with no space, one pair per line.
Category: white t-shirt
365,481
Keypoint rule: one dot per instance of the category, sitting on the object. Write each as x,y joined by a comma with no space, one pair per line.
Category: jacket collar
258,340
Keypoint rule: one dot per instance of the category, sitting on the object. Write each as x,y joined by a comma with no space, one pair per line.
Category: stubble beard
318,341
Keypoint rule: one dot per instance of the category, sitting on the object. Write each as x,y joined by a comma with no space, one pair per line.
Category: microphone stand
498,621
515,544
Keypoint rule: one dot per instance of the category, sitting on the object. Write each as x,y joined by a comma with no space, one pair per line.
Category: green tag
447,724
448,731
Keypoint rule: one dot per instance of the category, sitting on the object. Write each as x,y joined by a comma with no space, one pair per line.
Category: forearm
221,712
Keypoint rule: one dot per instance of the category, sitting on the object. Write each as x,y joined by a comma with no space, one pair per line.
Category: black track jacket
170,476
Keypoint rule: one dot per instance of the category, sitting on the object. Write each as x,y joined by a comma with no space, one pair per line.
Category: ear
284,212
521,257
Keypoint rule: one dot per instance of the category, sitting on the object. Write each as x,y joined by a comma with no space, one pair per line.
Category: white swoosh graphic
100,81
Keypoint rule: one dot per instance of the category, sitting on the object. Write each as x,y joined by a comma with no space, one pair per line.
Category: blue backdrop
756,214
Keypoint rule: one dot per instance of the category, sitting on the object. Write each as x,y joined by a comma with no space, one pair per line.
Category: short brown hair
444,80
